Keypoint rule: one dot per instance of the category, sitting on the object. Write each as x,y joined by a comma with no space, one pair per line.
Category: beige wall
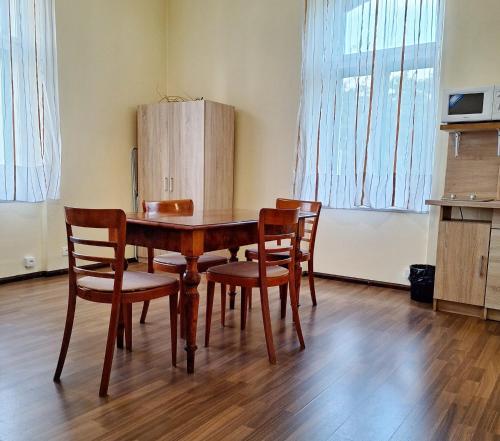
246,54
20,235
249,54
111,58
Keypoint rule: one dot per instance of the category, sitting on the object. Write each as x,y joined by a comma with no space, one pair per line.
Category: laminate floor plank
376,367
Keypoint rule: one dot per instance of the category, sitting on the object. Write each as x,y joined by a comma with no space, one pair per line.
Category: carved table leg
232,289
191,280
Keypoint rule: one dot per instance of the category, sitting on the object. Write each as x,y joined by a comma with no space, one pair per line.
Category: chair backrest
311,225
179,206
277,224
115,222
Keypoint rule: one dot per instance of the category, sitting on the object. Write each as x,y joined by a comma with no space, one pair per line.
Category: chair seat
253,253
246,270
177,262
133,281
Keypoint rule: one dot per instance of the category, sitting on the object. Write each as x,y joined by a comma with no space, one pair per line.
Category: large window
30,145
368,110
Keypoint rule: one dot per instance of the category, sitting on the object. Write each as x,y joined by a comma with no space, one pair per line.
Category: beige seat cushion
246,270
132,281
176,259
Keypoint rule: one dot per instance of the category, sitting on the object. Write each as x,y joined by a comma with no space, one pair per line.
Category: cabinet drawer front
493,285
462,261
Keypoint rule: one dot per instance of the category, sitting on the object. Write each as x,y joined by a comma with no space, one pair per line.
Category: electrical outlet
29,262
64,251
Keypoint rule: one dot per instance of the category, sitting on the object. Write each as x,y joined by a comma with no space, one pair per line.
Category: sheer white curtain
368,112
30,150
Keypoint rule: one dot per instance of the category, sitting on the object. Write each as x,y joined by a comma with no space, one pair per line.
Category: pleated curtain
30,150
369,101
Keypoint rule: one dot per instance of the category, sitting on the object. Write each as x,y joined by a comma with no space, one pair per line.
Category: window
368,112
30,144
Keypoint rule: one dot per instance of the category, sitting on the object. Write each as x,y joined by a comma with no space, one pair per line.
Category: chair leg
298,282
310,274
144,312
110,348
127,322
232,297
249,292
181,289
244,308
208,315
283,297
181,309
145,306
151,256
232,289
173,327
223,305
68,327
295,313
266,318
121,328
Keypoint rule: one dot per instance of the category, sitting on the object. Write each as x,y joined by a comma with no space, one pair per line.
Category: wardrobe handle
482,272
166,181
171,185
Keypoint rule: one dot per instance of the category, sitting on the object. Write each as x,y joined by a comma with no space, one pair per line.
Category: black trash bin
422,282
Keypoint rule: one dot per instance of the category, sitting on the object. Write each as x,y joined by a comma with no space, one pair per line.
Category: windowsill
383,210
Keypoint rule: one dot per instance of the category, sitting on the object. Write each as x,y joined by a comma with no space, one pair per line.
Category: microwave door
466,104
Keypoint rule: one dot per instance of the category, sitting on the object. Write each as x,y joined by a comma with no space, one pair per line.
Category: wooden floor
376,367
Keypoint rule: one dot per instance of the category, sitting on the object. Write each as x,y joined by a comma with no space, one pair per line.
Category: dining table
193,235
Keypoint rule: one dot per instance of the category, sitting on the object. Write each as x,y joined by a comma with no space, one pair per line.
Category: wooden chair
118,287
175,262
311,227
274,224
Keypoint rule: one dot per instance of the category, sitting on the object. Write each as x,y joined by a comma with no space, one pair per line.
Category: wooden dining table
203,231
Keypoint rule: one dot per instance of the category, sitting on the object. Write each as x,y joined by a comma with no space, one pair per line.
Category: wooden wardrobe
186,151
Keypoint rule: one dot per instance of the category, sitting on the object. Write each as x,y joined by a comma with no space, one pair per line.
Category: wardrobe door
219,156
186,152
153,151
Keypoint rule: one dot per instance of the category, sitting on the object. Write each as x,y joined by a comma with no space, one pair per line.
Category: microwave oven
475,104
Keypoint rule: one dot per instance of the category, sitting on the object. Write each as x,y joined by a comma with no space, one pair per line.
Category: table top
200,218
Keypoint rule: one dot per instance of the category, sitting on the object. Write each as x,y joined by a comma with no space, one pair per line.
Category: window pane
360,25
